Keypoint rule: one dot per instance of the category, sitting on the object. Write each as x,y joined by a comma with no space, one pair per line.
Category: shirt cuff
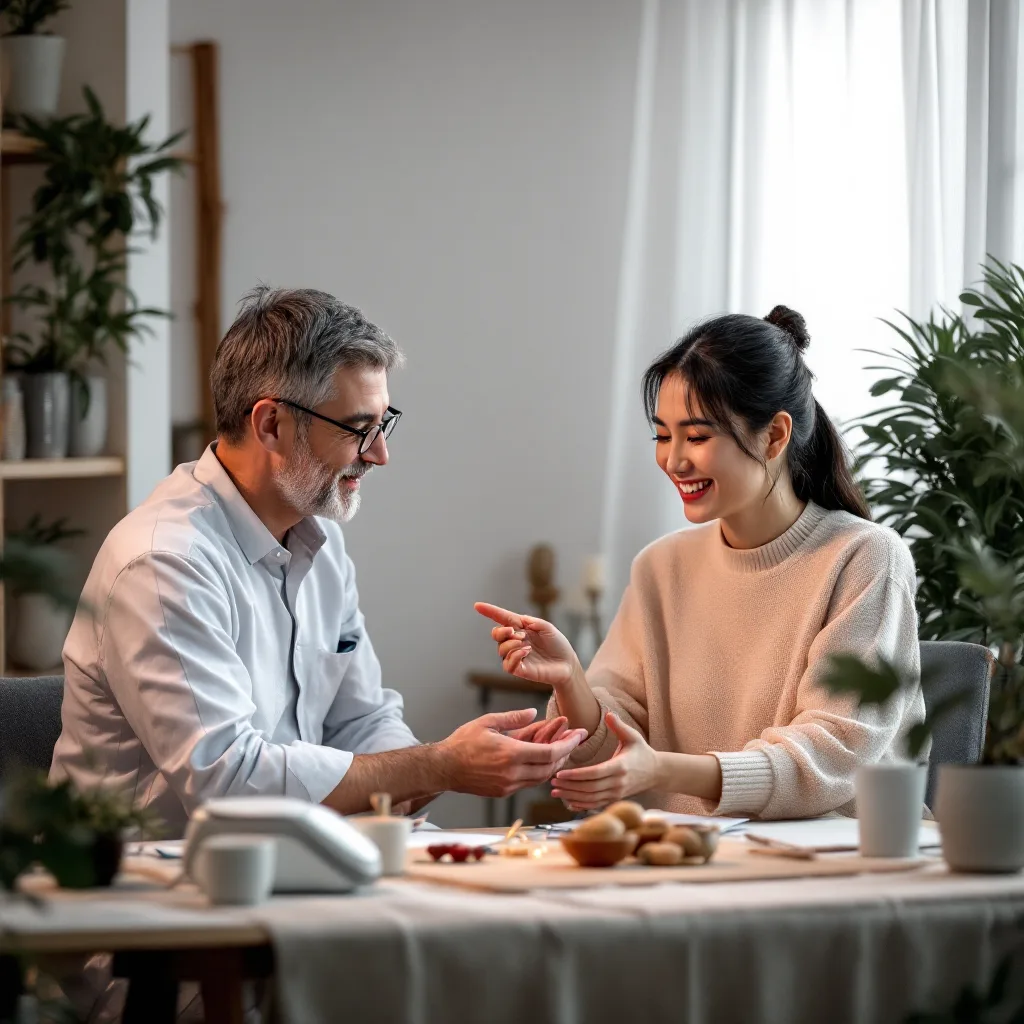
747,781
312,772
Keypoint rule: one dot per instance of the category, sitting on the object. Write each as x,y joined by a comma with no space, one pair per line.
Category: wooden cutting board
734,862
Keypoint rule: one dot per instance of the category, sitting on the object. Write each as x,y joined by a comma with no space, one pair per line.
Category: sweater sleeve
617,678
807,767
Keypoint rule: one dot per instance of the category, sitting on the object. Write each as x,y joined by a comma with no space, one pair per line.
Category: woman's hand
531,648
635,767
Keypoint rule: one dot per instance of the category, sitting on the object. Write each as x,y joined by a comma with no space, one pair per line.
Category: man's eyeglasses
366,437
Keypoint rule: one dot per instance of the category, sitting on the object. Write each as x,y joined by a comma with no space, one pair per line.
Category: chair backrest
950,667
29,721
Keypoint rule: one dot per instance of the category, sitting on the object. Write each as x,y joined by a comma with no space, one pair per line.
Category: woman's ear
779,431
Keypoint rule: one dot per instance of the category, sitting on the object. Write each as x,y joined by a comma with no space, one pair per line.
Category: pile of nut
658,842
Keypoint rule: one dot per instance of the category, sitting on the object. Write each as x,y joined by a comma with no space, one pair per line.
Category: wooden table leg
221,986
152,987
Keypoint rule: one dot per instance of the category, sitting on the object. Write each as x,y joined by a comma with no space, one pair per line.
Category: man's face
321,477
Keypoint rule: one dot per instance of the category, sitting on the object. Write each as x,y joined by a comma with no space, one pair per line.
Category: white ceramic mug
391,834
890,805
237,869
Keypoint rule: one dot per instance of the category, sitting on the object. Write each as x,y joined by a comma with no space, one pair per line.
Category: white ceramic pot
33,66
890,805
88,418
40,629
980,810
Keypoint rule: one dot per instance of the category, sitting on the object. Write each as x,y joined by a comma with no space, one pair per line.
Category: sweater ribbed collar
775,552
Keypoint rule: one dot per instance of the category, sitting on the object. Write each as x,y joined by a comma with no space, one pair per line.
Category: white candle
593,573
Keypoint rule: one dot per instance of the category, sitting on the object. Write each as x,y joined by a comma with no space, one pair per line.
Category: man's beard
313,488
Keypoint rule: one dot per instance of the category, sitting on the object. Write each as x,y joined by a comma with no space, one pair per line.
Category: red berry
438,850
480,852
459,853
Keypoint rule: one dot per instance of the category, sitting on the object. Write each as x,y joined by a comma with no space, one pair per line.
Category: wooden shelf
61,469
16,149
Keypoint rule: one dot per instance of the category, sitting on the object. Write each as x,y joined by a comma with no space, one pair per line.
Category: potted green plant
944,465
95,201
40,624
32,58
77,836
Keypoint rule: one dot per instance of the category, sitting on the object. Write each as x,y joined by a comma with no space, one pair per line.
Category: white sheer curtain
844,157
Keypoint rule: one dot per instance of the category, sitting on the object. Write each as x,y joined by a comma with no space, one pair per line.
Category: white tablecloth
862,950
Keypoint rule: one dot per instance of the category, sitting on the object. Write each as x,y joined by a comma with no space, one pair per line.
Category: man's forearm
411,773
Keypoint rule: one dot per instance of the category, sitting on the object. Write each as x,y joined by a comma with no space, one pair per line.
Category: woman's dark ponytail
741,367
821,469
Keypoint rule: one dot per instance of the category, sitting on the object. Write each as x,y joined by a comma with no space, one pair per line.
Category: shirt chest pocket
320,676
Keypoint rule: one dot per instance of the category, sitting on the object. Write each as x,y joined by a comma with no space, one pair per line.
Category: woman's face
712,474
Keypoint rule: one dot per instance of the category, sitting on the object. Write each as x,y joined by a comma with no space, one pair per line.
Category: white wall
458,170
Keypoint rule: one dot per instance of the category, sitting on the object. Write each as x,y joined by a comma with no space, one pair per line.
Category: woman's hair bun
792,323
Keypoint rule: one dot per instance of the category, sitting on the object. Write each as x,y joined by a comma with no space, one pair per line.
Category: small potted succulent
32,57
77,836
40,623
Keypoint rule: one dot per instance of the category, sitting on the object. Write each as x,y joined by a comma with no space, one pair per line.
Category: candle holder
540,573
594,595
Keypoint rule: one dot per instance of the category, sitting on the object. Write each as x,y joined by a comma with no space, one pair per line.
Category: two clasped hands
532,648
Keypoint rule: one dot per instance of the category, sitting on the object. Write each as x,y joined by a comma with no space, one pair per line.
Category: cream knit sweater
719,650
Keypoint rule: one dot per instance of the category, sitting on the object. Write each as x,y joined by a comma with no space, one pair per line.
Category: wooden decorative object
541,574
209,215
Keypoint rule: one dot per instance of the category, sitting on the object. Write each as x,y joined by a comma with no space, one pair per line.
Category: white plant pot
980,810
32,70
890,805
89,418
40,629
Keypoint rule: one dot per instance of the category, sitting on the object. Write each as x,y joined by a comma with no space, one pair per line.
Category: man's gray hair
288,343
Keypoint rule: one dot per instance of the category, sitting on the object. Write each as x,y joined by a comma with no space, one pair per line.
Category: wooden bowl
599,853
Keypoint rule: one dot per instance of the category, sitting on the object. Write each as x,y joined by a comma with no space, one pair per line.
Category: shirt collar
252,535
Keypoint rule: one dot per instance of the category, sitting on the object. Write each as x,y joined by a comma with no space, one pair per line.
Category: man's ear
780,433
270,429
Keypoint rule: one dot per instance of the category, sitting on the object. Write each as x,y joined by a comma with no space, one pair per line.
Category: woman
706,695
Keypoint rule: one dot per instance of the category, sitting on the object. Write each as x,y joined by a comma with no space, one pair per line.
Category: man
223,651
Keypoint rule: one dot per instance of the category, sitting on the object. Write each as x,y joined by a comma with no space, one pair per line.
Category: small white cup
391,836
237,869
890,805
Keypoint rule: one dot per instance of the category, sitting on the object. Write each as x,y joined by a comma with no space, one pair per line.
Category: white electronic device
317,849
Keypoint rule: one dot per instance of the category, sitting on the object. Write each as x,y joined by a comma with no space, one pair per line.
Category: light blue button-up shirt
215,661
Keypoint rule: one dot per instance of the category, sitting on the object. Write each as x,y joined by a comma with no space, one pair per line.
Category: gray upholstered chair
951,667
29,721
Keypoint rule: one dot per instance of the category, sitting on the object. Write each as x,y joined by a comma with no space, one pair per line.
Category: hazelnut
650,830
601,826
686,839
708,835
660,854
629,812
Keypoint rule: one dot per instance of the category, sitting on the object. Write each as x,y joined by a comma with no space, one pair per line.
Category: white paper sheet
817,833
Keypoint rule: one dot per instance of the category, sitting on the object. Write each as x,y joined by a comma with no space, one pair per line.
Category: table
858,950
487,683
158,937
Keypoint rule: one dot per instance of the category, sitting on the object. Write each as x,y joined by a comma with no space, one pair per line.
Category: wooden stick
209,217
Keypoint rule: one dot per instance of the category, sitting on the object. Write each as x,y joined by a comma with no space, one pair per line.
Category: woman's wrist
577,702
698,775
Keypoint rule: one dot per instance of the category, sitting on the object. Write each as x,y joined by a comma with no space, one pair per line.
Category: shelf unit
28,478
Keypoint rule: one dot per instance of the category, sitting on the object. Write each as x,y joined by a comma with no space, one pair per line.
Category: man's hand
545,731
481,759
634,768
